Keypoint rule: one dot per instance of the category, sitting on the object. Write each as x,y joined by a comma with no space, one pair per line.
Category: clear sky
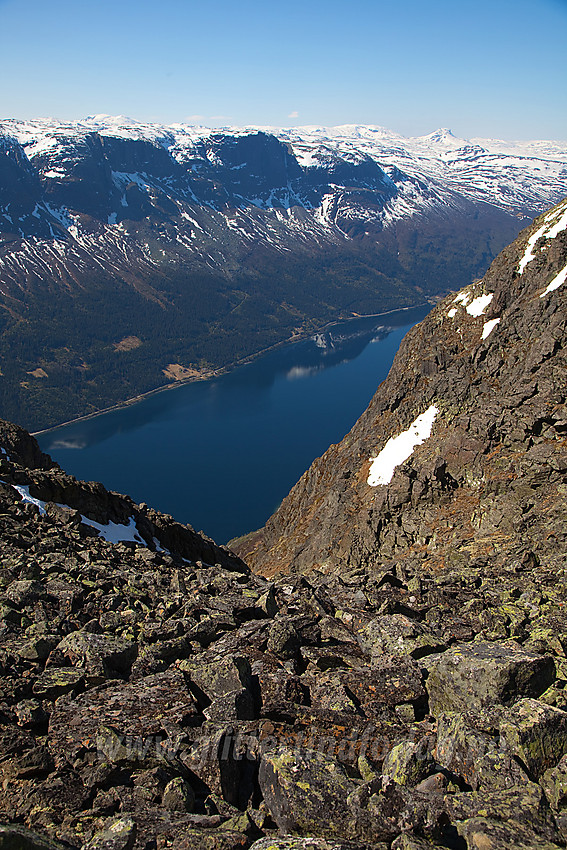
480,67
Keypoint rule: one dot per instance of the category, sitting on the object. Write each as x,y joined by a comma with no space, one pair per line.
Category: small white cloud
294,114
207,120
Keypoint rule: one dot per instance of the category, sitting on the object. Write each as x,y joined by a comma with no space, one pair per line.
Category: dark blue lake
222,454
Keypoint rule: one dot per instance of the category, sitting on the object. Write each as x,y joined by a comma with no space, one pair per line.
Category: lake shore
217,373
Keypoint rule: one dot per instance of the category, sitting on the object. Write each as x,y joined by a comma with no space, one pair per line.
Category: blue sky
485,68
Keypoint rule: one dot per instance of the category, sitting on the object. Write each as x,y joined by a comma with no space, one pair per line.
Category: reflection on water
298,372
222,454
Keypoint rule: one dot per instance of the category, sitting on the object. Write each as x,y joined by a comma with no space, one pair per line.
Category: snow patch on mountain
554,223
557,281
398,449
478,306
424,170
488,327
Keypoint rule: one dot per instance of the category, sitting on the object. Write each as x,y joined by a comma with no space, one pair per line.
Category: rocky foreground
386,688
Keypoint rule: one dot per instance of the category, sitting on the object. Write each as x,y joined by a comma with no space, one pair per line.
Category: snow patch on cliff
488,327
115,532
556,282
399,449
479,305
462,298
554,223
24,492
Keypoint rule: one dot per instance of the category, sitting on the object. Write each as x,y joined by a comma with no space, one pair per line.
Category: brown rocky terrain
399,680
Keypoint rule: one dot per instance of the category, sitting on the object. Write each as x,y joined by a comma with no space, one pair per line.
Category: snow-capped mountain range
317,184
358,218
519,177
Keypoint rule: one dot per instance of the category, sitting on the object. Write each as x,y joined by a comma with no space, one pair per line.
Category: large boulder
307,792
396,634
478,674
475,755
536,734
485,834
17,837
139,716
102,656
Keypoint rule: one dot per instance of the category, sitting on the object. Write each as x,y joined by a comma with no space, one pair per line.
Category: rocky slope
132,254
404,686
486,487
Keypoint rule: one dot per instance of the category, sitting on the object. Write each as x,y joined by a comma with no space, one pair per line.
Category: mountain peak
443,137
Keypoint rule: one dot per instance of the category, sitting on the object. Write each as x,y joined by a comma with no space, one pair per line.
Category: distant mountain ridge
202,246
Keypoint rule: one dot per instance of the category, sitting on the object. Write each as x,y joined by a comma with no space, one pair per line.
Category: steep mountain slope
408,691
126,248
481,382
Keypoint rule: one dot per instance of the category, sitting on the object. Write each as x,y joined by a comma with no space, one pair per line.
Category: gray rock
120,834
536,734
102,656
178,796
17,837
408,763
478,674
485,834
396,634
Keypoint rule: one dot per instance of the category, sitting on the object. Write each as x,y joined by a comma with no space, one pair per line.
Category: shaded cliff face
480,383
88,514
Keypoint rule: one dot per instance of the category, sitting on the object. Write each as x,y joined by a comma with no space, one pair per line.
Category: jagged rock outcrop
391,688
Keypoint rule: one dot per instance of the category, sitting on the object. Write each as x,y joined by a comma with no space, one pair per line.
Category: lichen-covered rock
307,792
479,674
476,756
214,675
118,835
178,796
390,680
536,734
140,714
485,834
225,764
408,763
101,656
56,681
288,842
17,837
36,762
233,705
501,805
407,841
554,784
394,809
396,634
284,640
203,839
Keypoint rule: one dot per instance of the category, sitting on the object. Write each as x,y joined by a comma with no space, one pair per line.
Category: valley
207,247
283,425
222,454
